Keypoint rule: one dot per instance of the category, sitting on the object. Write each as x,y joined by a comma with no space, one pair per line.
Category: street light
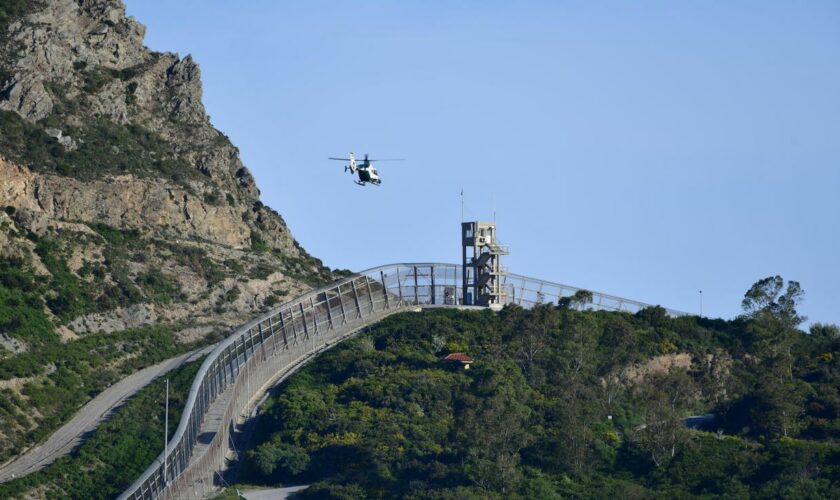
165,434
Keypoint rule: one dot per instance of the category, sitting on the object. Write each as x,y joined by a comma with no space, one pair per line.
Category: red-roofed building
459,357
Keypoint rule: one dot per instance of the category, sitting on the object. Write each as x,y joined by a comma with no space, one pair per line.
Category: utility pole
166,434
701,303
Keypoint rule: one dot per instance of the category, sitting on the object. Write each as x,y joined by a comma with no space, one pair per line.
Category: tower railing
256,354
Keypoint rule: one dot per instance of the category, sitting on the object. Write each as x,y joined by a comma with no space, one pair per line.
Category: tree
779,397
773,311
663,399
494,427
288,458
825,331
613,385
619,336
779,406
575,369
765,297
577,301
531,339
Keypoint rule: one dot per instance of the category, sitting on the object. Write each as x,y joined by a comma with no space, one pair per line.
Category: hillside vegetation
118,451
130,229
83,309
564,403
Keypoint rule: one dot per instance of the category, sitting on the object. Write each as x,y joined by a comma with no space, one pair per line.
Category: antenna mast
494,208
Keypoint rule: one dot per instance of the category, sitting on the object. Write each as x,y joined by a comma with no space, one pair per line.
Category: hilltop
130,230
560,403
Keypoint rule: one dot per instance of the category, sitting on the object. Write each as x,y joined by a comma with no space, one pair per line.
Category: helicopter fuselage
366,171
368,174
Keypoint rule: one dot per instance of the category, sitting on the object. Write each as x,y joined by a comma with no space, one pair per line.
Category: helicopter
367,173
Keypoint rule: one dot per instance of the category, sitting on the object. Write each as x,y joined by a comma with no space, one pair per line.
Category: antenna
494,209
462,204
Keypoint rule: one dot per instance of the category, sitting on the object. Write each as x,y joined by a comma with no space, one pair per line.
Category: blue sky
644,149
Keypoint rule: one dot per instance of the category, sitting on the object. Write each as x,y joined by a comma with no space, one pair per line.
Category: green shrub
196,258
21,308
105,148
257,243
232,294
13,9
261,271
159,287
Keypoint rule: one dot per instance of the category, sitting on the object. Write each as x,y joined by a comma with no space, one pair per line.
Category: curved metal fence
258,353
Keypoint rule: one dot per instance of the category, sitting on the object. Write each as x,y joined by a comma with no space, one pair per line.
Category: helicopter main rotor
366,159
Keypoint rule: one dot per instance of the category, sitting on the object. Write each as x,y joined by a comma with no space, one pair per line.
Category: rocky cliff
87,89
127,221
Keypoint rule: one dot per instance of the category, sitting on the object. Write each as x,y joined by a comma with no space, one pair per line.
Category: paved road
272,494
74,432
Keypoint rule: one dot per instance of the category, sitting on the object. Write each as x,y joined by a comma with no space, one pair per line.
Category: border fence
258,353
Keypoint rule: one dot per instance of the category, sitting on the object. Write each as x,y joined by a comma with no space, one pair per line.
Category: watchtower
482,269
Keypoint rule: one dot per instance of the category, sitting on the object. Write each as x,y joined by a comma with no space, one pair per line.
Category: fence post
356,300
303,320
262,339
416,289
385,290
283,329
370,295
273,335
329,310
432,274
294,323
314,314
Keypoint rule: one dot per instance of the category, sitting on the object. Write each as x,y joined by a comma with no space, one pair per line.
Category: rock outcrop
124,214
74,61
151,205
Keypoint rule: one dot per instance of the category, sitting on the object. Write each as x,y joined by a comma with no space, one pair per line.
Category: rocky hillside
129,227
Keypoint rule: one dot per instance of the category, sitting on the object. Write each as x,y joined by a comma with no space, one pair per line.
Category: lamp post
166,433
